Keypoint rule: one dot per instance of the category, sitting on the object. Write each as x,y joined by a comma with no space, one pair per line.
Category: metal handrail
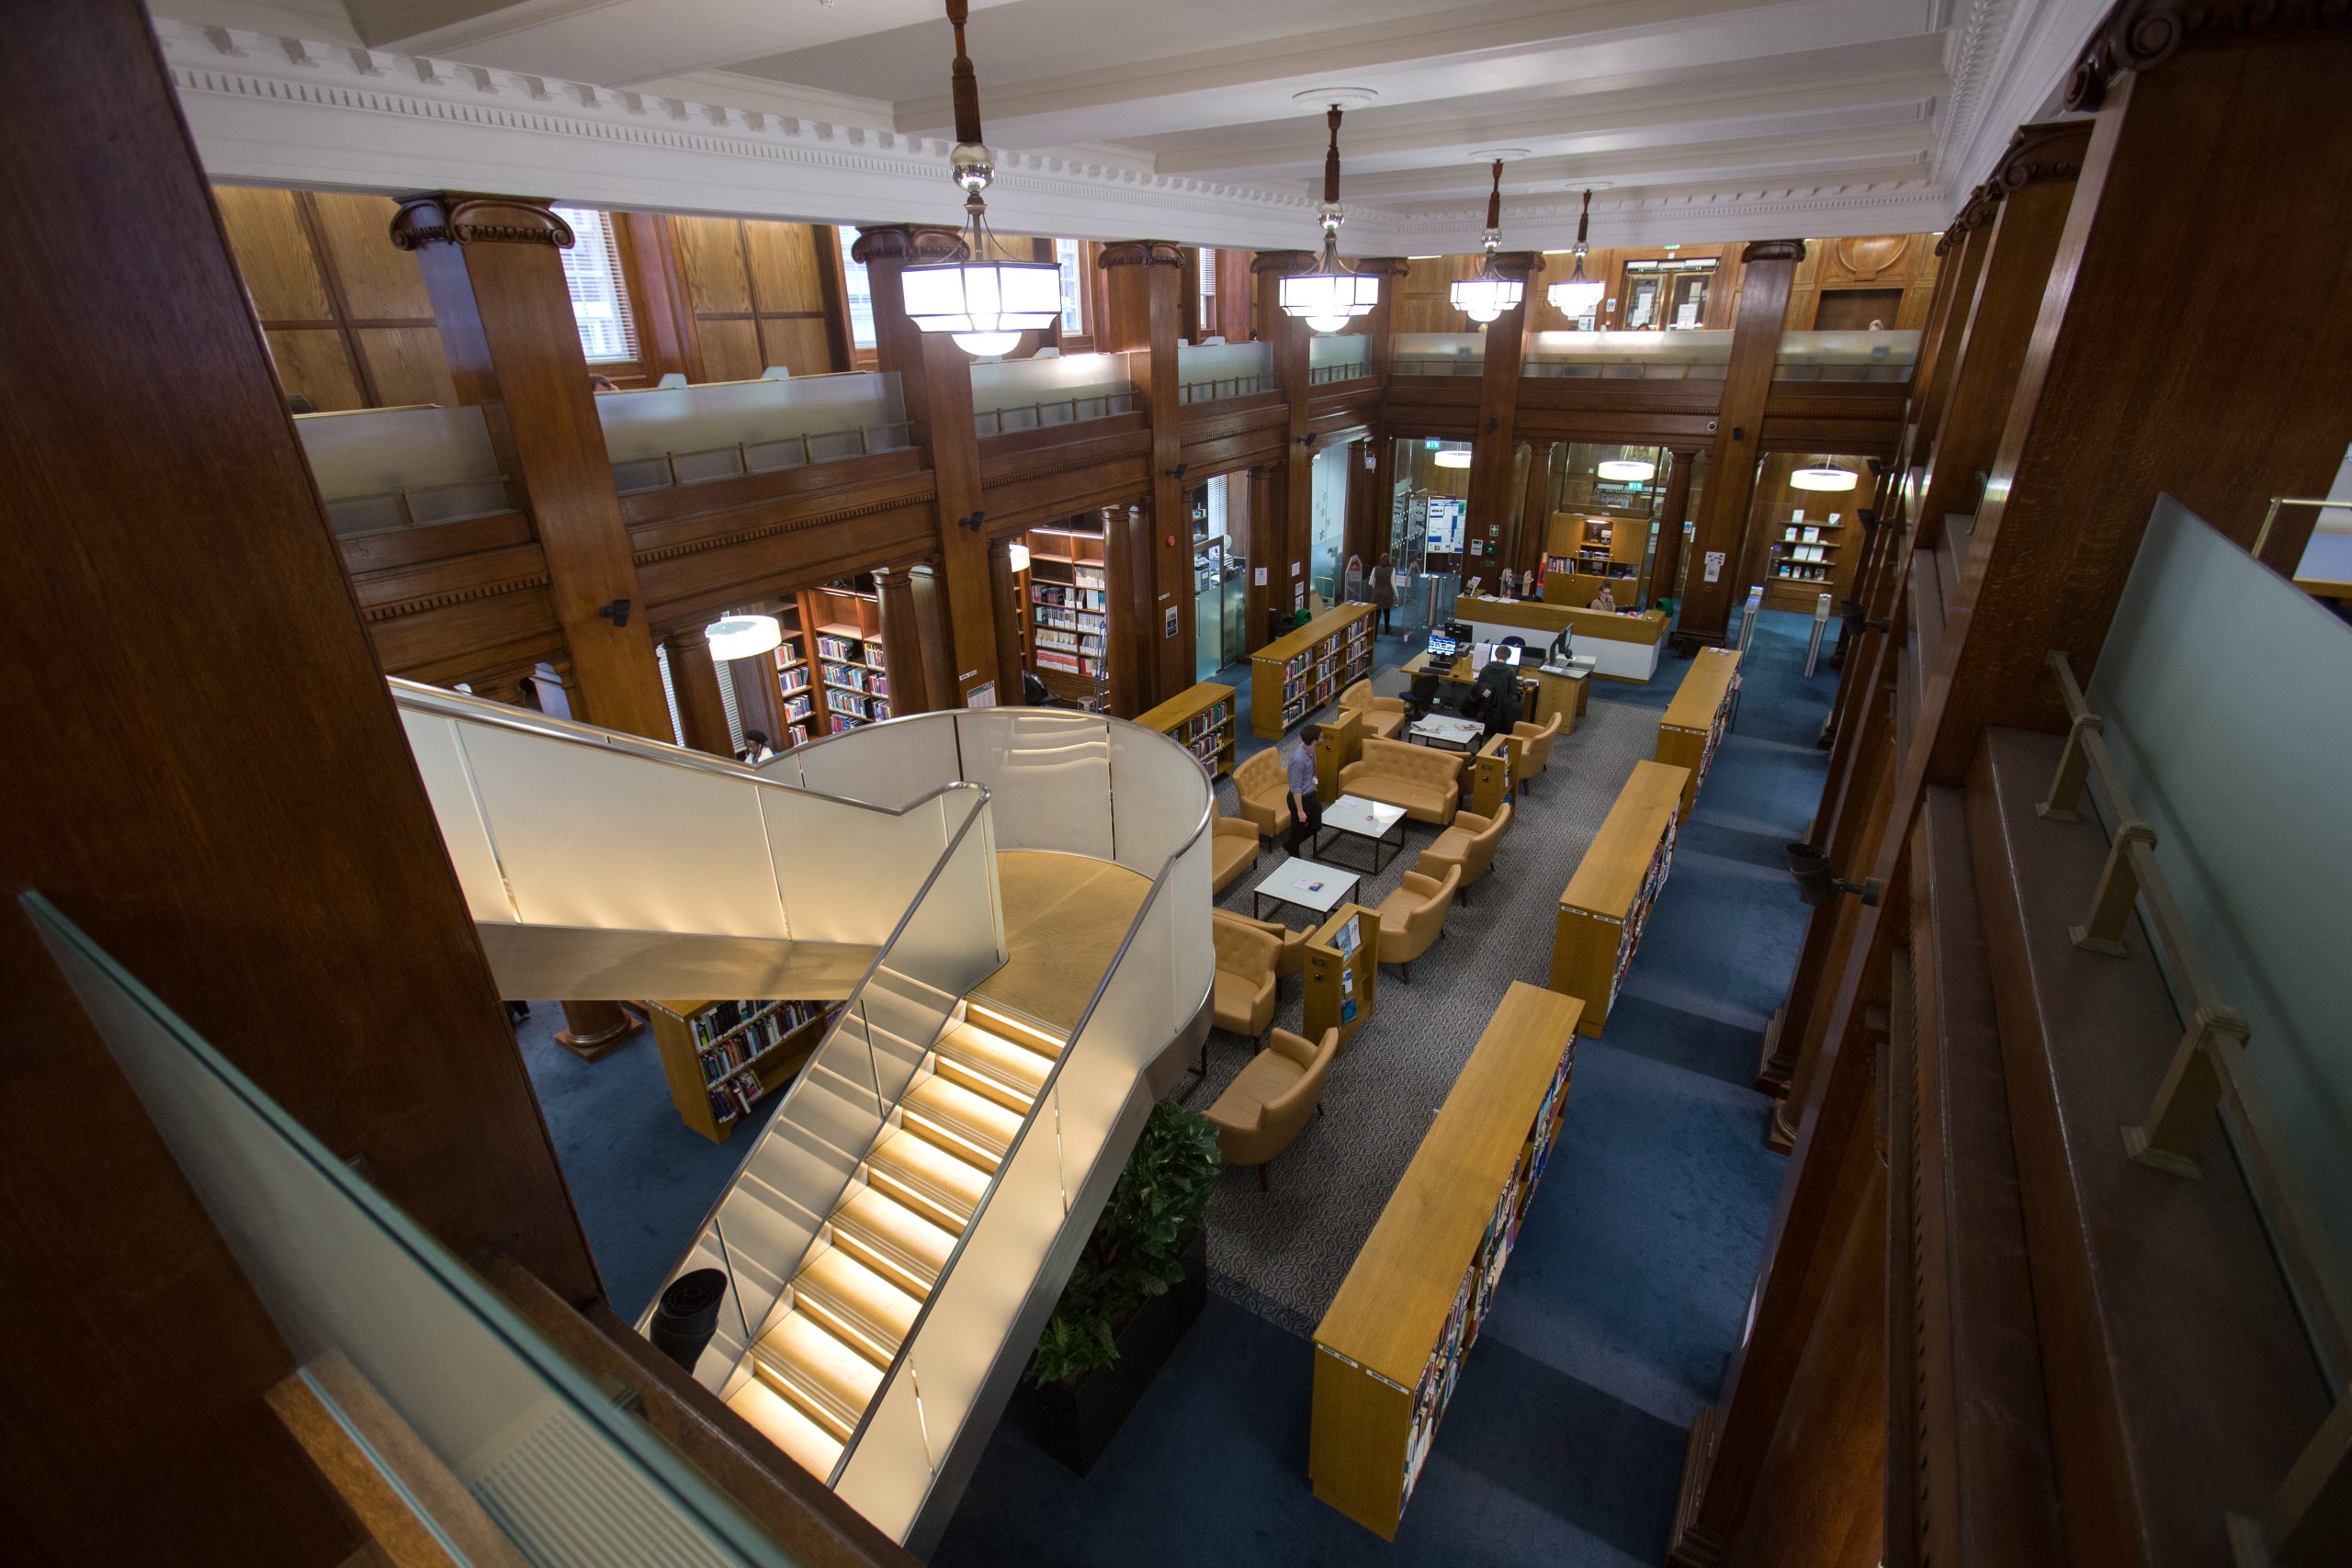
1352,370
1242,387
1112,406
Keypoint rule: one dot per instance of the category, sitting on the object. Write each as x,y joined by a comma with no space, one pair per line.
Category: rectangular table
1311,886
1356,817
1446,734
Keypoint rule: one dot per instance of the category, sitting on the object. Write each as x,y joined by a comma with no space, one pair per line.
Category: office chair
1421,697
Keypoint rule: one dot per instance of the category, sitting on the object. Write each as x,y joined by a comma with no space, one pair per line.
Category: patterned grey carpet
1282,1253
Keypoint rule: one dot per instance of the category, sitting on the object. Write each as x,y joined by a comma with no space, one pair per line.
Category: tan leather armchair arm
1473,821
1297,1047
1228,1123
1414,882
1236,827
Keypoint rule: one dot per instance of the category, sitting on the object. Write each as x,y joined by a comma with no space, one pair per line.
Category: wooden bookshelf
1609,899
1390,1348
1200,719
1694,721
723,1057
795,678
1808,558
1342,972
1295,674
1492,774
1065,627
852,673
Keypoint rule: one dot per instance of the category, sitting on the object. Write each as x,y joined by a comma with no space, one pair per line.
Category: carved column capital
1382,267
909,243
1284,264
1521,264
2139,35
1773,250
1140,253
2053,150
1981,203
462,217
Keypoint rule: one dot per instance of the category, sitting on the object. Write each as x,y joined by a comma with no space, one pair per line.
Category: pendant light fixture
985,302
1451,457
1334,293
1626,470
742,636
1487,294
1822,476
1578,295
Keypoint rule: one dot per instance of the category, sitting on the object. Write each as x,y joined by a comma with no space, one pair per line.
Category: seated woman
1605,601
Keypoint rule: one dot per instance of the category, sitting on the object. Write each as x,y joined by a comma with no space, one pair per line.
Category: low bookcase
1695,722
1608,901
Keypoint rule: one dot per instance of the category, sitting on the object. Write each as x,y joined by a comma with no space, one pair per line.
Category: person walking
1305,810
1383,592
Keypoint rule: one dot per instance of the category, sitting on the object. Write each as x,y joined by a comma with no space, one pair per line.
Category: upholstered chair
1293,937
1413,917
1469,847
1535,743
1233,850
1263,784
1266,1107
1384,717
1426,782
1242,999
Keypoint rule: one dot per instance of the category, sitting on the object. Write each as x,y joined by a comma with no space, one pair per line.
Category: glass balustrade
1439,354
1207,372
1881,356
1692,355
379,470
1009,395
1338,357
661,437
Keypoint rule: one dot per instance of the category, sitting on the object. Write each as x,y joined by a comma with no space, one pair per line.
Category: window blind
592,270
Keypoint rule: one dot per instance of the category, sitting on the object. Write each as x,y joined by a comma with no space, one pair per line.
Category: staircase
840,1324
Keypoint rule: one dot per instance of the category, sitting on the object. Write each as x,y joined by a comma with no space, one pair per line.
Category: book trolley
1390,1350
1695,722
723,1057
1295,674
1200,719
1609,899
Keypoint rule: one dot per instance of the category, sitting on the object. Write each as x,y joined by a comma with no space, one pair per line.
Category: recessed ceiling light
1346,98
1507,155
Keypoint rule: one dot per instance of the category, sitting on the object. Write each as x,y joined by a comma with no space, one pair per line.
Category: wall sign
1171,622
1715,566
1262,577
981,697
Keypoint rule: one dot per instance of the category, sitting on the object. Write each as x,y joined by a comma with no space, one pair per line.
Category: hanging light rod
1487,294
1334,293
986,303
1576,295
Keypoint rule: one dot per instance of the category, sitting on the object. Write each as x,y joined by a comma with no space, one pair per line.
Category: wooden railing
1228,387
2208,1071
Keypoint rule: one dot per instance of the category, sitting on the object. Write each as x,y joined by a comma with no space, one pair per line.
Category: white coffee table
1316,888
1356,817
1446,734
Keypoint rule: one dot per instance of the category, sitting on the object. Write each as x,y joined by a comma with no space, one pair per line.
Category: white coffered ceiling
1192,120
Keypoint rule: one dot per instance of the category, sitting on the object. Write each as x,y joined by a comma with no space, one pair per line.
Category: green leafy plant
1135,1250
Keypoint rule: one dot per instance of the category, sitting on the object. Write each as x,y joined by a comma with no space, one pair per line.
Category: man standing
1305,810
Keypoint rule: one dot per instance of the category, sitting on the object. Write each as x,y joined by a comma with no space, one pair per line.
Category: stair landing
1064,919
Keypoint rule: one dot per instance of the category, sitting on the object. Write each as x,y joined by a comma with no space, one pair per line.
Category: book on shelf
801,733
846,703
796,703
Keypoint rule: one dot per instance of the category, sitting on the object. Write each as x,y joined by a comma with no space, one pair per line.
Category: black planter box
1074,1420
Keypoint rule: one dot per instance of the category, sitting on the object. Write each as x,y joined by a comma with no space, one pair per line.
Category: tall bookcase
1390,1349
1695,722
1608,902
1808,559
1065,633
1200,719
1295,674
722,1058
795,678
852,677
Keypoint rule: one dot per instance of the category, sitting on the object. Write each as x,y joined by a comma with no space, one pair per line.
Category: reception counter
1626,646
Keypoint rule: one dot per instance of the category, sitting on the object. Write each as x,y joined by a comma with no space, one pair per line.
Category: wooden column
902,648
935,378
1143,276
1962,249
2036,188
937,641
2203,156
1769,267
205,773
694,681
1294,481
1534,510
1256,523
1674,509
495,278
1492,514
1380,326
1004,616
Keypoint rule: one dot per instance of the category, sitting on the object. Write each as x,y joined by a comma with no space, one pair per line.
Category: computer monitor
1441,644
1509,650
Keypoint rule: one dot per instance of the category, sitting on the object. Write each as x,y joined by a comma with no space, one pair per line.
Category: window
1067,256
1207,263
591,268
860,293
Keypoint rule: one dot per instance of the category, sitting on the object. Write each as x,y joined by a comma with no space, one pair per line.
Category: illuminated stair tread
959,1110
812,1448
1035,1037
845,1288
880,1220
954,1184
1007,1061
821,1364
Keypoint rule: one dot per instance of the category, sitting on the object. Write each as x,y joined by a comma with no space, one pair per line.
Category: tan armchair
1293,959
1469,847
1413,917
1233,850
1267,1106
1384,717
1425,781
1262,784
1242,999
1536,742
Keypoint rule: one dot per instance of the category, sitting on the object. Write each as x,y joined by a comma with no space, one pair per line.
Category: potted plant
1138,1284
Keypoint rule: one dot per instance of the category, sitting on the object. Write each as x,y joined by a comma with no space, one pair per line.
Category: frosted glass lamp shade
1485,298
742,636
1576,298
1020,554
1329,301
1451,457
988,305
1627,470
1823,476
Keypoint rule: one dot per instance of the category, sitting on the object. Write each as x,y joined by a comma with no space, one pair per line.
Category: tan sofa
1536,742
1384,717
1264,1109
1425,782
1293,960
1263,784
1233,850
1413,917
1242,999
1469,847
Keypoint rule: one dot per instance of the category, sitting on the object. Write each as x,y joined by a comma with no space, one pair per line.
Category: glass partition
673,436
1881,356
1691,355
1208,371
496,1441
1031,394
1050,775
405,467
1439,354
1337,357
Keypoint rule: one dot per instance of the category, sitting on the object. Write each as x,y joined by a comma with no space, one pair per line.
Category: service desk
1625,646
